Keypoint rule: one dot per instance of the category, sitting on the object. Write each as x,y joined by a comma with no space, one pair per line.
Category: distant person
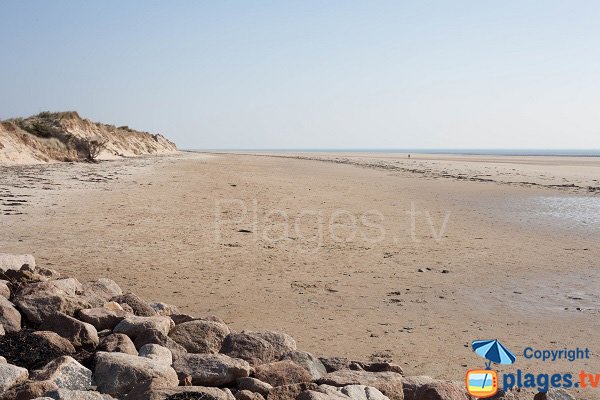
409,156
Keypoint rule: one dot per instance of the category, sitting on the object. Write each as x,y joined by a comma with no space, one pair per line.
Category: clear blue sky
308,74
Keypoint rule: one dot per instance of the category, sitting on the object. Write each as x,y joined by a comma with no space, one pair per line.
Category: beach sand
331,252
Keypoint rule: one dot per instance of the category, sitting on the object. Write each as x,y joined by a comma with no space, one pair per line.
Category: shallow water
569,212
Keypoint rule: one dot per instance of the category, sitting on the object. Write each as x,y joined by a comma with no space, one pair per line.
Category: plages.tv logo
483,383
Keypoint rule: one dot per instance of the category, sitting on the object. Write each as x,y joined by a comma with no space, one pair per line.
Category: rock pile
66,340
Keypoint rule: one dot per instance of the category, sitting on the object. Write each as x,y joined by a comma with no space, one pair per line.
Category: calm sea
496,152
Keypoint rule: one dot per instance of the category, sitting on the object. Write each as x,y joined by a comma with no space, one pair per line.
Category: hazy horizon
310,75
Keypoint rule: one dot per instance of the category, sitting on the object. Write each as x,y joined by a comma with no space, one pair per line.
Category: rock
200,336
102,318
282,343
211,369
254,385
55,340
11,375
248,395
333,364
66,373
133,326
310,363
113,306
157,353
28,350
69,285
440,390
389,383
15,261
4,289
48,273
137,305
117,342
412,383
383,367
117,373
290,392
2,331
359,392
156,337
101,291
10,318
248,347
29,390
559,394
66,394
153,390
2,360
164,308
24,277
282,373
181,318
80,334
38,301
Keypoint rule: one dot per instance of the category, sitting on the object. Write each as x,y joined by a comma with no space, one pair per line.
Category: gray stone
333,364
133,326
80,334
139,307
282,343
10,318
28,390
102,318
101,291
15,261
117,373
117,342
53,339
312,364
154,390
11,375
200,336
38,301
282,373
157,353
164,308
389,383
248,347
211,369
248,395
411,385
290,392
254,385
66,373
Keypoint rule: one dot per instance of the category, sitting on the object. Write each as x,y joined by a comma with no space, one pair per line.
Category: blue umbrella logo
493,351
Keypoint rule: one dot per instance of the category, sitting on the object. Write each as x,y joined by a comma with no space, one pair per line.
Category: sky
312,74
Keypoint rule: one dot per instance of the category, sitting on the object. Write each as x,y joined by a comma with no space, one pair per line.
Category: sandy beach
360,257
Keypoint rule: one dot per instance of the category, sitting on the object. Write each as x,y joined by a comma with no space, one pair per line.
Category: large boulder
157,353
11,375
101,291
133,326
200,336
310,363
139,307
38,301
79,333
211,369
15,261
56,341
333,364
282,343
117,373
248,395
282,373
102,317
437,390
164,308
117,342
254,385
10,318
248,347
154,390
389,383
29,350
412,384
156,337
66,373
351,392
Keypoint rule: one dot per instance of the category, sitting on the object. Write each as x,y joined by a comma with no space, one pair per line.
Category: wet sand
329,252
